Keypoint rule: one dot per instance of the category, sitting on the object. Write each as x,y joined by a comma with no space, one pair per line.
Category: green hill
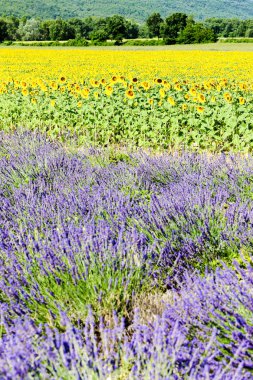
137,10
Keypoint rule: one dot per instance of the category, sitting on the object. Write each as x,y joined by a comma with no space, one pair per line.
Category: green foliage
103,287
116,27
99,35
154,23
249,32
236,40
173,25
49,9
147,42
230,27
3,30
61,30
195,33
117,120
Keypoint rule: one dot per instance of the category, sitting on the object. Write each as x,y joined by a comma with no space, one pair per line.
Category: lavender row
99,231
204,333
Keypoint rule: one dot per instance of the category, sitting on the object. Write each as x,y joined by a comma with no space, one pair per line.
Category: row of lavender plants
124,266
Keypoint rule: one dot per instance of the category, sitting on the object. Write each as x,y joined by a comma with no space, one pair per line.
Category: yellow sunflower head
171,101
162,93
200,109
227,97
108,90
201,98
130,94
242,101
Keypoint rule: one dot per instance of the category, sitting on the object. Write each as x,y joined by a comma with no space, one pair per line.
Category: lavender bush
85,236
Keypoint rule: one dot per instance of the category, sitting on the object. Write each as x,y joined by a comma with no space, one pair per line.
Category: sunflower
54,85
78,88
200,109
184,107
114,79
96,83
62,79
135,80
130,94
171,101
52,103
44,88
25,92
33,101
242,101
193,91
201,98
162,93
145,85
227,97
243,86
207,85
108,90
79,104
166,85
178,87
85,93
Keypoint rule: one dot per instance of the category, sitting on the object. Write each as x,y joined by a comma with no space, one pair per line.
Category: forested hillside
128,8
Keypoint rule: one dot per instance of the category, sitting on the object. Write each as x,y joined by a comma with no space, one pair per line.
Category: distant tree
61,30
195,33
99,35
12,24
216,24
45,29
132,30
249,33
228,29
154,22
116,27
82,28
30,30
241,29
3,30
143,31
173,25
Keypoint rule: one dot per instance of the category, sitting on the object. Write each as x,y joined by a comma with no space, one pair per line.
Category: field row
87,238
179,114
77,64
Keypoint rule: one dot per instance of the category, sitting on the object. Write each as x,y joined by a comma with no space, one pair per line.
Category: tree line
176,28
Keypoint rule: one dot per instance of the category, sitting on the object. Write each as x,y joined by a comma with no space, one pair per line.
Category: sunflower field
148,99
126,217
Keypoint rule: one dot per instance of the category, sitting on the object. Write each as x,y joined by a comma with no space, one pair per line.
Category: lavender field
124,266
